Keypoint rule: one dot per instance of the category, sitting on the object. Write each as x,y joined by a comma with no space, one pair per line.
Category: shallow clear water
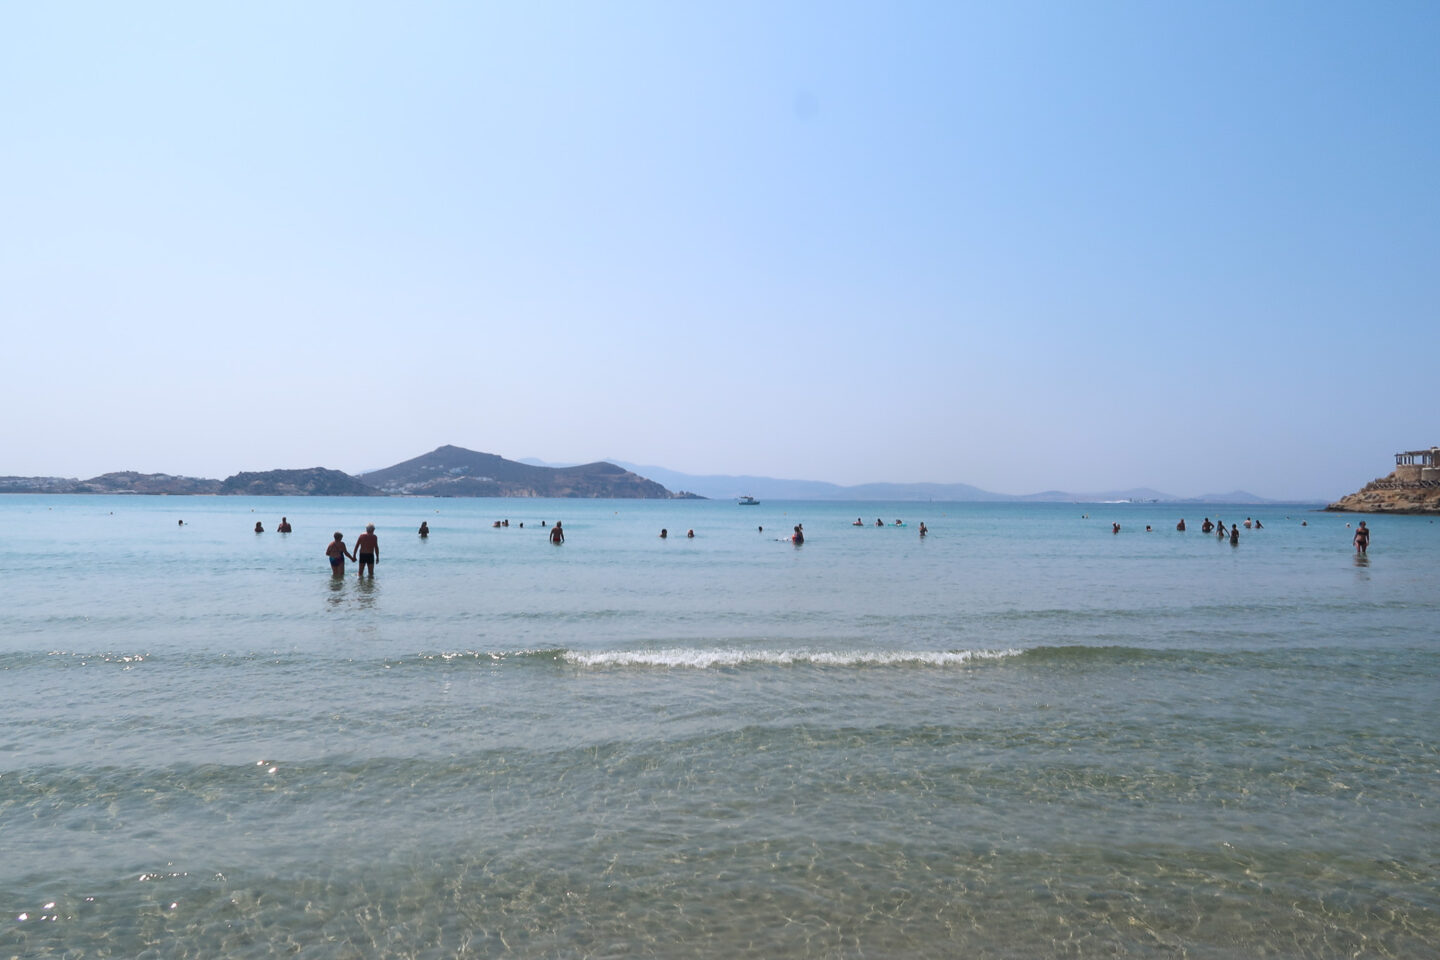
1021,736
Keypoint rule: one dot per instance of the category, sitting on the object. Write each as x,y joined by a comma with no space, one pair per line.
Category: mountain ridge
730,486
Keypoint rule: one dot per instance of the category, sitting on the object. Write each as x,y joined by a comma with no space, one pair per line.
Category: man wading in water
367,547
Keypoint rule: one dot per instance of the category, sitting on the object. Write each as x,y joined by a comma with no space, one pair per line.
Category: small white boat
748,501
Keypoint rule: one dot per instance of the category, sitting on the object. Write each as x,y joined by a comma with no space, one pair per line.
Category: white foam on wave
705,657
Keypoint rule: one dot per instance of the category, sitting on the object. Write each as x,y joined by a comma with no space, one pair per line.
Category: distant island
732,486
448,471
451,471
1412,487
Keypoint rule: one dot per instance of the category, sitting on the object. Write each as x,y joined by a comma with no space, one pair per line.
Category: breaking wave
707,657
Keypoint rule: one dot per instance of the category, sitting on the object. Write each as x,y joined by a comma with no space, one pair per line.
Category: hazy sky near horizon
1017,245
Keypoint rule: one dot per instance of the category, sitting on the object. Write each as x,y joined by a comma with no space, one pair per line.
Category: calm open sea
1022,736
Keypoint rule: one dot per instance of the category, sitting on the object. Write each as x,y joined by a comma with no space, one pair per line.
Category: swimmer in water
424,528
798,537
557,535
923,531
284,525
258,527
664,533
1181,525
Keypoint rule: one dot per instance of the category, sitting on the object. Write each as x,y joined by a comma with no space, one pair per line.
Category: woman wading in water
337,553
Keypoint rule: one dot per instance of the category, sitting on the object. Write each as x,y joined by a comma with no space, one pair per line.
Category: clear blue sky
1194,246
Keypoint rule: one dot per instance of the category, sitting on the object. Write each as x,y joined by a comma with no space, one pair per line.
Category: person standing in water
1362,539
337,552
424,528
1181,525
557,535
284,525
367,546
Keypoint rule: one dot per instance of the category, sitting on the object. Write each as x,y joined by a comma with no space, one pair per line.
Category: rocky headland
1392,495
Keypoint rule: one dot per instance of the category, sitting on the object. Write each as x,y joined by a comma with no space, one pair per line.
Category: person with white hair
367,550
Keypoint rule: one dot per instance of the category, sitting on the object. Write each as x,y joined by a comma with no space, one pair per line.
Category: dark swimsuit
337,561
367,558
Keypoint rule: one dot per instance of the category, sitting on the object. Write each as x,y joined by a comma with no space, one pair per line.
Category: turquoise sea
1022,736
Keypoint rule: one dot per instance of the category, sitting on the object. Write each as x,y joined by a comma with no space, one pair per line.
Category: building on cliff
1418,466
1414,487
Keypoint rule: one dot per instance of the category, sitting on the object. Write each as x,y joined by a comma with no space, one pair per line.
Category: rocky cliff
1391,495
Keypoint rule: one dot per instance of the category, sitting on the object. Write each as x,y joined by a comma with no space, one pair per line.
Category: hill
311,482
128,481
125,481
451,471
